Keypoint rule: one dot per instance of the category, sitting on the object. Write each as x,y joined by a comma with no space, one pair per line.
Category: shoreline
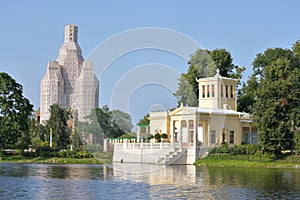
248,164
52,160
204,162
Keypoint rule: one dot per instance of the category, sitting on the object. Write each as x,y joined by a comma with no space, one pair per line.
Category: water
124,181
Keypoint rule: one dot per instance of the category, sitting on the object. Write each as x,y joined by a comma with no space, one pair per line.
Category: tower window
207,90
212,90
226,90
203,91
222,93
231,91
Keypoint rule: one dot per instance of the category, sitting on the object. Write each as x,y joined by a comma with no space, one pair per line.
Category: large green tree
103,122
15,112
274,98
248,93
203,63
91,126
57,125
145,120
122,120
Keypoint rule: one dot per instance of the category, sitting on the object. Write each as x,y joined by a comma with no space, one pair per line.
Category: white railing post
161,145
124,144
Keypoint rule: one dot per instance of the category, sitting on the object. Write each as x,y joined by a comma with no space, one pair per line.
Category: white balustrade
127,145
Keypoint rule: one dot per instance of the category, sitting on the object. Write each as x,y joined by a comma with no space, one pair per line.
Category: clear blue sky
31,33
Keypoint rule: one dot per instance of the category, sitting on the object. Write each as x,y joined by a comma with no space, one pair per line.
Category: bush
127,136
77,153
252,148
238,150
150,137
46,151
157,137
214,150
235,150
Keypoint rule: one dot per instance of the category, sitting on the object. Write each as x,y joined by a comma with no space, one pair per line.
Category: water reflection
140,181
186,181
156,174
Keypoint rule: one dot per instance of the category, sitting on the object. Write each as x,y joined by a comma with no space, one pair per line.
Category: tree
276,98
203,63
122,120
247,95
297,141
15,112
37,132
57,125
93,126
76,140
186,93
145,120
103,122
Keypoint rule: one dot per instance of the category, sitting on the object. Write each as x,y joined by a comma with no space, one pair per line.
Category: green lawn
100,158
251,161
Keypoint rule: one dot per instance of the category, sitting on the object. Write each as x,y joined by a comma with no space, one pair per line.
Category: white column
172,132
138,134
195,131
141,145
208,133
188,132
179,135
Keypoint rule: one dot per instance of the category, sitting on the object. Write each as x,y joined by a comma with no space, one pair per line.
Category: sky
31,33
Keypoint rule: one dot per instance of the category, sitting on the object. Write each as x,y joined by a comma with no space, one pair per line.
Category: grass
253,161
101,158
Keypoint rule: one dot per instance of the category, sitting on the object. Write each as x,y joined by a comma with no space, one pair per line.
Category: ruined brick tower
69,81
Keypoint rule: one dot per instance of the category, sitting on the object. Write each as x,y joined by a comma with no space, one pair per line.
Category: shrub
157,137
46,151
150,137
236,150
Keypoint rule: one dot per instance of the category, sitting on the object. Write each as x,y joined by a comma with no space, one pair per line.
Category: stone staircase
203,152
172,156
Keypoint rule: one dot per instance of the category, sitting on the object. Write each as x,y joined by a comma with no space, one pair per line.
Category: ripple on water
27,181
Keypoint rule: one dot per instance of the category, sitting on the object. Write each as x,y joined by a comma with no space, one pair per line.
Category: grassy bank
233,161
101,158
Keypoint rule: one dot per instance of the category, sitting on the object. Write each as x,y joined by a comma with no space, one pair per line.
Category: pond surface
124,181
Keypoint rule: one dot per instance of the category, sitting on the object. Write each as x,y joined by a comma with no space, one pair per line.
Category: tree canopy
57,125
105,123
272,96
15,112
145,119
